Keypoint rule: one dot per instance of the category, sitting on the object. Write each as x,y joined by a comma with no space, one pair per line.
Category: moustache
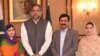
63,24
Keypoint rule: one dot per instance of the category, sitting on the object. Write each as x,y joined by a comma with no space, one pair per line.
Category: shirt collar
35,21
64,30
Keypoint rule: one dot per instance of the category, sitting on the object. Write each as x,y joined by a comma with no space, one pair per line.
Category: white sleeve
24,39
48,39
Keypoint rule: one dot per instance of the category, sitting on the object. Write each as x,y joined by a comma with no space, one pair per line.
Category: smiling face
11,32
90,29
64,22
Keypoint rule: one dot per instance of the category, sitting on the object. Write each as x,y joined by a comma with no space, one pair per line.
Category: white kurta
45,46
89,47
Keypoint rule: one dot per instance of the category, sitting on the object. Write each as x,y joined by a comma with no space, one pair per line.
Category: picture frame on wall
19,9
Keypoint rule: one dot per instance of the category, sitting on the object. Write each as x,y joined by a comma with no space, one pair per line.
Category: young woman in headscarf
90,44
10,46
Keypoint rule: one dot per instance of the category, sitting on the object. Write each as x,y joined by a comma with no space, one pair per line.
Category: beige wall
57,7
80,18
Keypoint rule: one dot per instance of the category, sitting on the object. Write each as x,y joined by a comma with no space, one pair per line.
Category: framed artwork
19,9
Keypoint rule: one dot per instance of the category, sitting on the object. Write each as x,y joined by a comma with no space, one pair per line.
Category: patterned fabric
8,49
89,45
8,38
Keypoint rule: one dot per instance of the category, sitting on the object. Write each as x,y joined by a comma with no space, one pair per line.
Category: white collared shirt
36,21
62,39
45,46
